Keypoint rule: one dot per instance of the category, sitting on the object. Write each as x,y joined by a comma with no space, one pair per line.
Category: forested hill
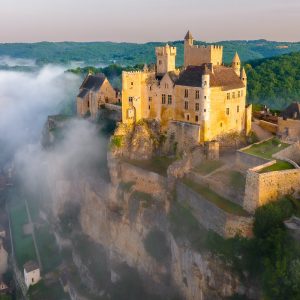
275,81
105,53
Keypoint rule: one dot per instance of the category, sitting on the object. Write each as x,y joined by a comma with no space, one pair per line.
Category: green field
23,244
216,199
280,165
267,148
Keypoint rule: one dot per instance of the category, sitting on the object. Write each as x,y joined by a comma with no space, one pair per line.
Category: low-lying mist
26,100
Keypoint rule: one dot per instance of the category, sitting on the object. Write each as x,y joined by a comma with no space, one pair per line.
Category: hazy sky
148,20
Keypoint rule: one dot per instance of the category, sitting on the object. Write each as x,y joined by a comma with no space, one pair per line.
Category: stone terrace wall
266,187
247,160
212,217
291,153
146,181
271,127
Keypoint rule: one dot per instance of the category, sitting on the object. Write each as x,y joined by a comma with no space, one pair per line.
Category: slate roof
93,82
292,111
220,77
31,266
188,36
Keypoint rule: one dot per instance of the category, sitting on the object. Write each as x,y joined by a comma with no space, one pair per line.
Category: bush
156,245
116,141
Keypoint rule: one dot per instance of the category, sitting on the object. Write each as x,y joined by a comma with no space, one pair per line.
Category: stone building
204,93
95,91
32,274
289,122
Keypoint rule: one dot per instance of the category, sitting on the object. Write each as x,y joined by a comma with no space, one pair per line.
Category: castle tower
188,39
236,64
205,135
243,76
165,59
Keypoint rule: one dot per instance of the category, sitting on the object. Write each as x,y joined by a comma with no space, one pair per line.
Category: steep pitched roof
236,58
31,266
82,93
220,77
188,36
93,82
292,111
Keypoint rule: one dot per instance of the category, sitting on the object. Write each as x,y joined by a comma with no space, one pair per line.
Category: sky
148,20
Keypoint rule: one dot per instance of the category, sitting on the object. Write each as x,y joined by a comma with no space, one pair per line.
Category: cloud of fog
8,61
26,99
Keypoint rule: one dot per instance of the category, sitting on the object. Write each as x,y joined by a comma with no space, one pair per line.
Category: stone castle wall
146,181
212,217
271,127
262,188
291,153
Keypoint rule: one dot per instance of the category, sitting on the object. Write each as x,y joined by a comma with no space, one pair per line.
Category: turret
165,57
188,39
236,64
243,76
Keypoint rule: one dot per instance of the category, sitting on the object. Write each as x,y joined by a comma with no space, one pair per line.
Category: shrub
116,141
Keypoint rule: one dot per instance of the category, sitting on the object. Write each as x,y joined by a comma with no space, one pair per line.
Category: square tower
165,59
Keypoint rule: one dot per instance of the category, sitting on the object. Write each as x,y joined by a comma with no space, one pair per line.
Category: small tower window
237,109
197,96
227,111
197,106
130,99
228,96
221,124
196,118
88,104
149,107
188,117
131,82
239,94
150,99
186,93
163,99
186,105
205,97
169,99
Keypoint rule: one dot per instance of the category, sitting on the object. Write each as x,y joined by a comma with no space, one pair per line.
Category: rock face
139,141
120,218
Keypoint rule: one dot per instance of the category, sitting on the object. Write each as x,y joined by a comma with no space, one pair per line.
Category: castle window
196,118
237,109
197,96
197,106
130,99
150,87
186,93
188,117
150,99
205,97
204,109
149,107
228,96
166,86
205,83
159,62
186,105
131,82
227,111
239,94
163,99
233,95
221,124
88,104
169,99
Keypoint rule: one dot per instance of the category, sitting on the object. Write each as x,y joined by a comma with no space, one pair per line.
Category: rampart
212,217
262,188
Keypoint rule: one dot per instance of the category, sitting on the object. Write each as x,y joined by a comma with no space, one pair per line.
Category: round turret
236,64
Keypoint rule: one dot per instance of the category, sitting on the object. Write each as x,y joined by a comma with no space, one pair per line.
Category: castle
204,92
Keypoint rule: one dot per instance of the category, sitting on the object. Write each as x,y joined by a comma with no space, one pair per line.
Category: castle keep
204,92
